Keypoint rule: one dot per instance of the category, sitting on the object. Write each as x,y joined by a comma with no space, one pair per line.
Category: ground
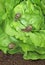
17,59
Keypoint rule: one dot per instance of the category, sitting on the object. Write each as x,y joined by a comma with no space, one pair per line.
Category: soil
16,59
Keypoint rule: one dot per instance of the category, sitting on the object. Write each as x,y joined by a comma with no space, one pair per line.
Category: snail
27,29
11,45
17,16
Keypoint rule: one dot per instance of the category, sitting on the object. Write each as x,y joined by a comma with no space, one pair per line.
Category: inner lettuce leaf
40,3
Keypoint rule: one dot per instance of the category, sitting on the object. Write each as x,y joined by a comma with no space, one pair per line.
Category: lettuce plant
22,28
